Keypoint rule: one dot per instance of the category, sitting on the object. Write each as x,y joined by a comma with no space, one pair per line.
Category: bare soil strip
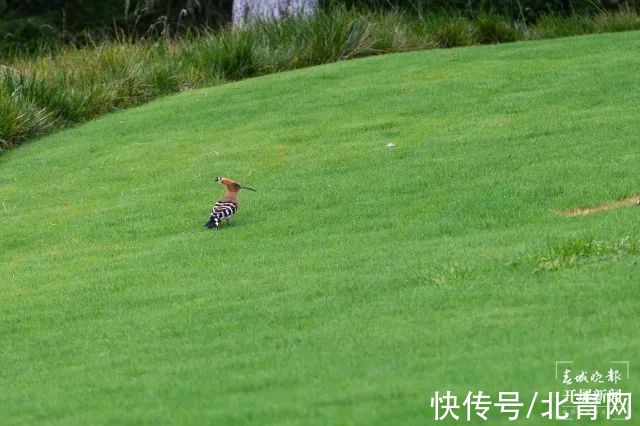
627,202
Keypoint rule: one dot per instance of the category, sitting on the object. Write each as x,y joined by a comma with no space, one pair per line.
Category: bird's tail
214,222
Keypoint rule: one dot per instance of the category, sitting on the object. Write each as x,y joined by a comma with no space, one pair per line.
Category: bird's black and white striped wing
221,210
224,209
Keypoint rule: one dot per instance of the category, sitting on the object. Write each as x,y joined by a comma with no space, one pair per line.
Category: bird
226,206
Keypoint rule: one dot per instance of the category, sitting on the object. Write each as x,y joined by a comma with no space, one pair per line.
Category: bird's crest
231,185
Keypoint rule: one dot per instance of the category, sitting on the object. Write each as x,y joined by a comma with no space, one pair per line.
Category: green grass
359,279
66,85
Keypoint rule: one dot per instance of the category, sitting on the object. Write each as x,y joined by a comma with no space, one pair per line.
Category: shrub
625,19
492,28
21,120
449,31
393,32
329,37
553,26
231,54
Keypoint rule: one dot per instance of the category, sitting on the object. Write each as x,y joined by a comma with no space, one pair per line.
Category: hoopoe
228,204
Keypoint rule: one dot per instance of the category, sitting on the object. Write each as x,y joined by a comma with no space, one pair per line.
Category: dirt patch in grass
627,202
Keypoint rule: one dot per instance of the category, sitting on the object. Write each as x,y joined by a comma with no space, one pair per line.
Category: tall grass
553,26
44,93
625,19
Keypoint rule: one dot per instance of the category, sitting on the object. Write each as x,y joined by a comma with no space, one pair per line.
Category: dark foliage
527,10
28,26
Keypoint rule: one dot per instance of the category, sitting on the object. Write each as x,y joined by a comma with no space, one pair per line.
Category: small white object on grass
390,145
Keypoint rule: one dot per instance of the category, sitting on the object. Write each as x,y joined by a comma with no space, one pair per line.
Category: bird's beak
246,187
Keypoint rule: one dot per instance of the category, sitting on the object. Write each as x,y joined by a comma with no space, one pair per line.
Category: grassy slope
359,279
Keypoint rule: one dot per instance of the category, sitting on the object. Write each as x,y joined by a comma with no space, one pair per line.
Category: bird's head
231,185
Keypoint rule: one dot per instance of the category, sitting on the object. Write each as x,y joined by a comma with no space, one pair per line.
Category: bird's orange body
228,204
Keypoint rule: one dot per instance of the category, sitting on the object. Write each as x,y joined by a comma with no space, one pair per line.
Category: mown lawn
360,278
